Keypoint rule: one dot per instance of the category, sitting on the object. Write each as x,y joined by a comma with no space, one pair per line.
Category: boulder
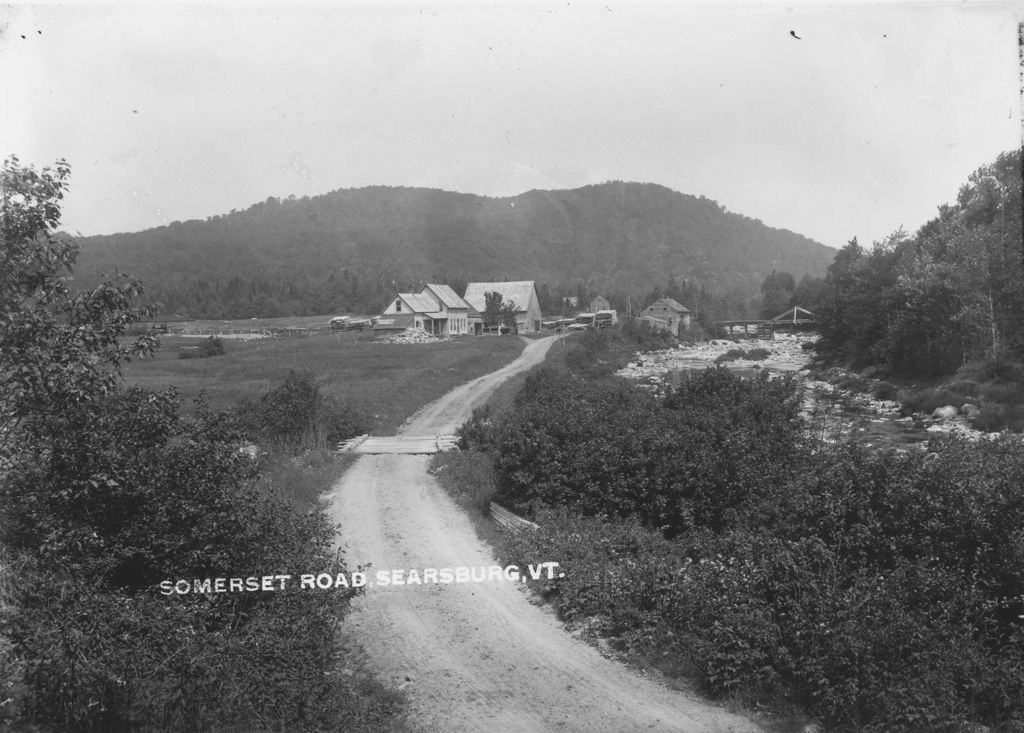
971,412
946,412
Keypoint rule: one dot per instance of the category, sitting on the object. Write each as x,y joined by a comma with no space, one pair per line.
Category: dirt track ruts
480,656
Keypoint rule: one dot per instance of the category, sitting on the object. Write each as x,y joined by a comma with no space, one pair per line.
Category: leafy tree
108,492
499,314
492,309
952,294
777,293
296,415
809,293
56,351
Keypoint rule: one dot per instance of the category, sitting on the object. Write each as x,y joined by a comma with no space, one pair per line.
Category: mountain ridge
615,236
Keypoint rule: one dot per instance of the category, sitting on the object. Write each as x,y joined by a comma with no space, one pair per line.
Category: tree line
948,298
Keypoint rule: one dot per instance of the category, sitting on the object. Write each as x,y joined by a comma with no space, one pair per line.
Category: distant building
435,309
666,314
600,303
521,294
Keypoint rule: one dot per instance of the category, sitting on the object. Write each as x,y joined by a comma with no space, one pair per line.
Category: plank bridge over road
399,444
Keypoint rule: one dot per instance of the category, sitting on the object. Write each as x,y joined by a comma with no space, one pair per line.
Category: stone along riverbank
833,412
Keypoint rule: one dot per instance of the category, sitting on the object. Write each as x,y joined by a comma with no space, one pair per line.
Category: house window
398,306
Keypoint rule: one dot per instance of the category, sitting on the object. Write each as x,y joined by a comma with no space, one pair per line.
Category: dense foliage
605,448
104,494
951,294
707,531
349,251
297,415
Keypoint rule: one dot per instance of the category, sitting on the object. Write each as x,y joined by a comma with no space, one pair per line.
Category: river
833,413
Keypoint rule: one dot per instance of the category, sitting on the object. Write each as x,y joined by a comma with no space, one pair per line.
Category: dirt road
479,656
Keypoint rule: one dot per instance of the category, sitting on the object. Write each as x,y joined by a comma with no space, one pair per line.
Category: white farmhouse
435,309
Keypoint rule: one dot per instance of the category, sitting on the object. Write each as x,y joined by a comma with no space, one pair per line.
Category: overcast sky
830,120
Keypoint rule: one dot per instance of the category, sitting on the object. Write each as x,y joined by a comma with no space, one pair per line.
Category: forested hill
350,249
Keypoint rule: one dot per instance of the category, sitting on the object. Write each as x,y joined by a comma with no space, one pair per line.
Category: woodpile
412,336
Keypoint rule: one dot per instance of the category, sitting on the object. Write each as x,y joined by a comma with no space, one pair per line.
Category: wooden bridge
399,444
795,319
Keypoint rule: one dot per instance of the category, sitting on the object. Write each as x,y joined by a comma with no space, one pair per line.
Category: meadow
386,381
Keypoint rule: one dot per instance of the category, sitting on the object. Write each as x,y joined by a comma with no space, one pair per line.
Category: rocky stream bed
833,412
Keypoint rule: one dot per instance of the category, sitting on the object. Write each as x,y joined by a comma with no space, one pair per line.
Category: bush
295,416
479,432
852,382
469,477
966,387
302,479
120,495
608,448
877,591
617,571
758,354
212,346
995,418
101,660
988,370
927,400
1006,393
731,355
645,338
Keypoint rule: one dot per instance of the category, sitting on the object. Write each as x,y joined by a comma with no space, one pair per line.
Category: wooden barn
521,294
667,314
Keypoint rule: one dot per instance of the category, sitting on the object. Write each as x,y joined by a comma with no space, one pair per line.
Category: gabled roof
671,303
517,293
447,296
419,302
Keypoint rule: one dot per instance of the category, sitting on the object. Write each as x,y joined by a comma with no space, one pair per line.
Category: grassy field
387,381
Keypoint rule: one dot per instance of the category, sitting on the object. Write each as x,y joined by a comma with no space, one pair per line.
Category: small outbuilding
667,314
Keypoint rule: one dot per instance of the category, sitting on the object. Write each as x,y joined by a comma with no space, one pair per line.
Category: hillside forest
349,251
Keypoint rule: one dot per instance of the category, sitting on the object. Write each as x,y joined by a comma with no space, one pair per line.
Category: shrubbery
875,591
296,415
606,448
124,495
